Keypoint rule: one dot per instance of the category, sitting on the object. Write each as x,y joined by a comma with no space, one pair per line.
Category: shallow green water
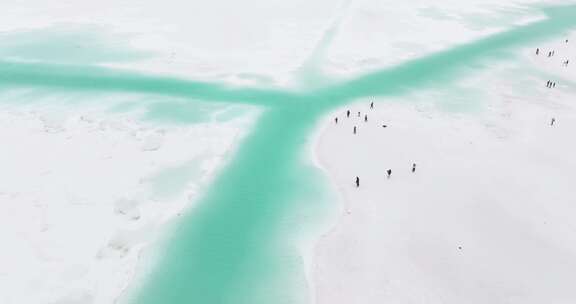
236,246
84,45
229,243
231,249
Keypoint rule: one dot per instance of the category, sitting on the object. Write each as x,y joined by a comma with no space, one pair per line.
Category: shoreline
406,238
93,169
67,251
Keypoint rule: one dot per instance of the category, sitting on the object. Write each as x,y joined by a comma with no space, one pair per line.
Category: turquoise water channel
237,246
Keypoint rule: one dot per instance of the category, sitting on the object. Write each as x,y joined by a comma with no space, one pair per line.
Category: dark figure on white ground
354,129
358,114
357,182
548,84
549,54
389,172
365,118
336,120
552,121
554,84
413,168
372,105
537,51
348,113
384,126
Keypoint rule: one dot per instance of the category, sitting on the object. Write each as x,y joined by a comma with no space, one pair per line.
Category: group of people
388,172
550,53
549,84
355,128
355,131
552,84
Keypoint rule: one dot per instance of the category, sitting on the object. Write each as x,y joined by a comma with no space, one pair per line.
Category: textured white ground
83,189
488,216
255,41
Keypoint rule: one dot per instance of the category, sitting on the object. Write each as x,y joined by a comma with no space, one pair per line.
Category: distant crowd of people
552,84
388,175
355,131
549,84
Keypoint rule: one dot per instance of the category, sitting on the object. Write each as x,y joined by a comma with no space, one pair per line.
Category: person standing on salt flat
389,172
348,114
354,129
358,113
552,121
366,118
357,182
336,120
537,51
413,168
372,105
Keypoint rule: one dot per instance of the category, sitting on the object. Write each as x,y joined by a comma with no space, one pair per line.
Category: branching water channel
231,248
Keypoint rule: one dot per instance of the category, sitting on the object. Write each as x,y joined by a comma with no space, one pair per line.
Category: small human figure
537,51
365,118
336,120
552,121
389,172
554,84
413,168
548,84
549,54
358,113
372,105
357,182
354,129
552,53
348,114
